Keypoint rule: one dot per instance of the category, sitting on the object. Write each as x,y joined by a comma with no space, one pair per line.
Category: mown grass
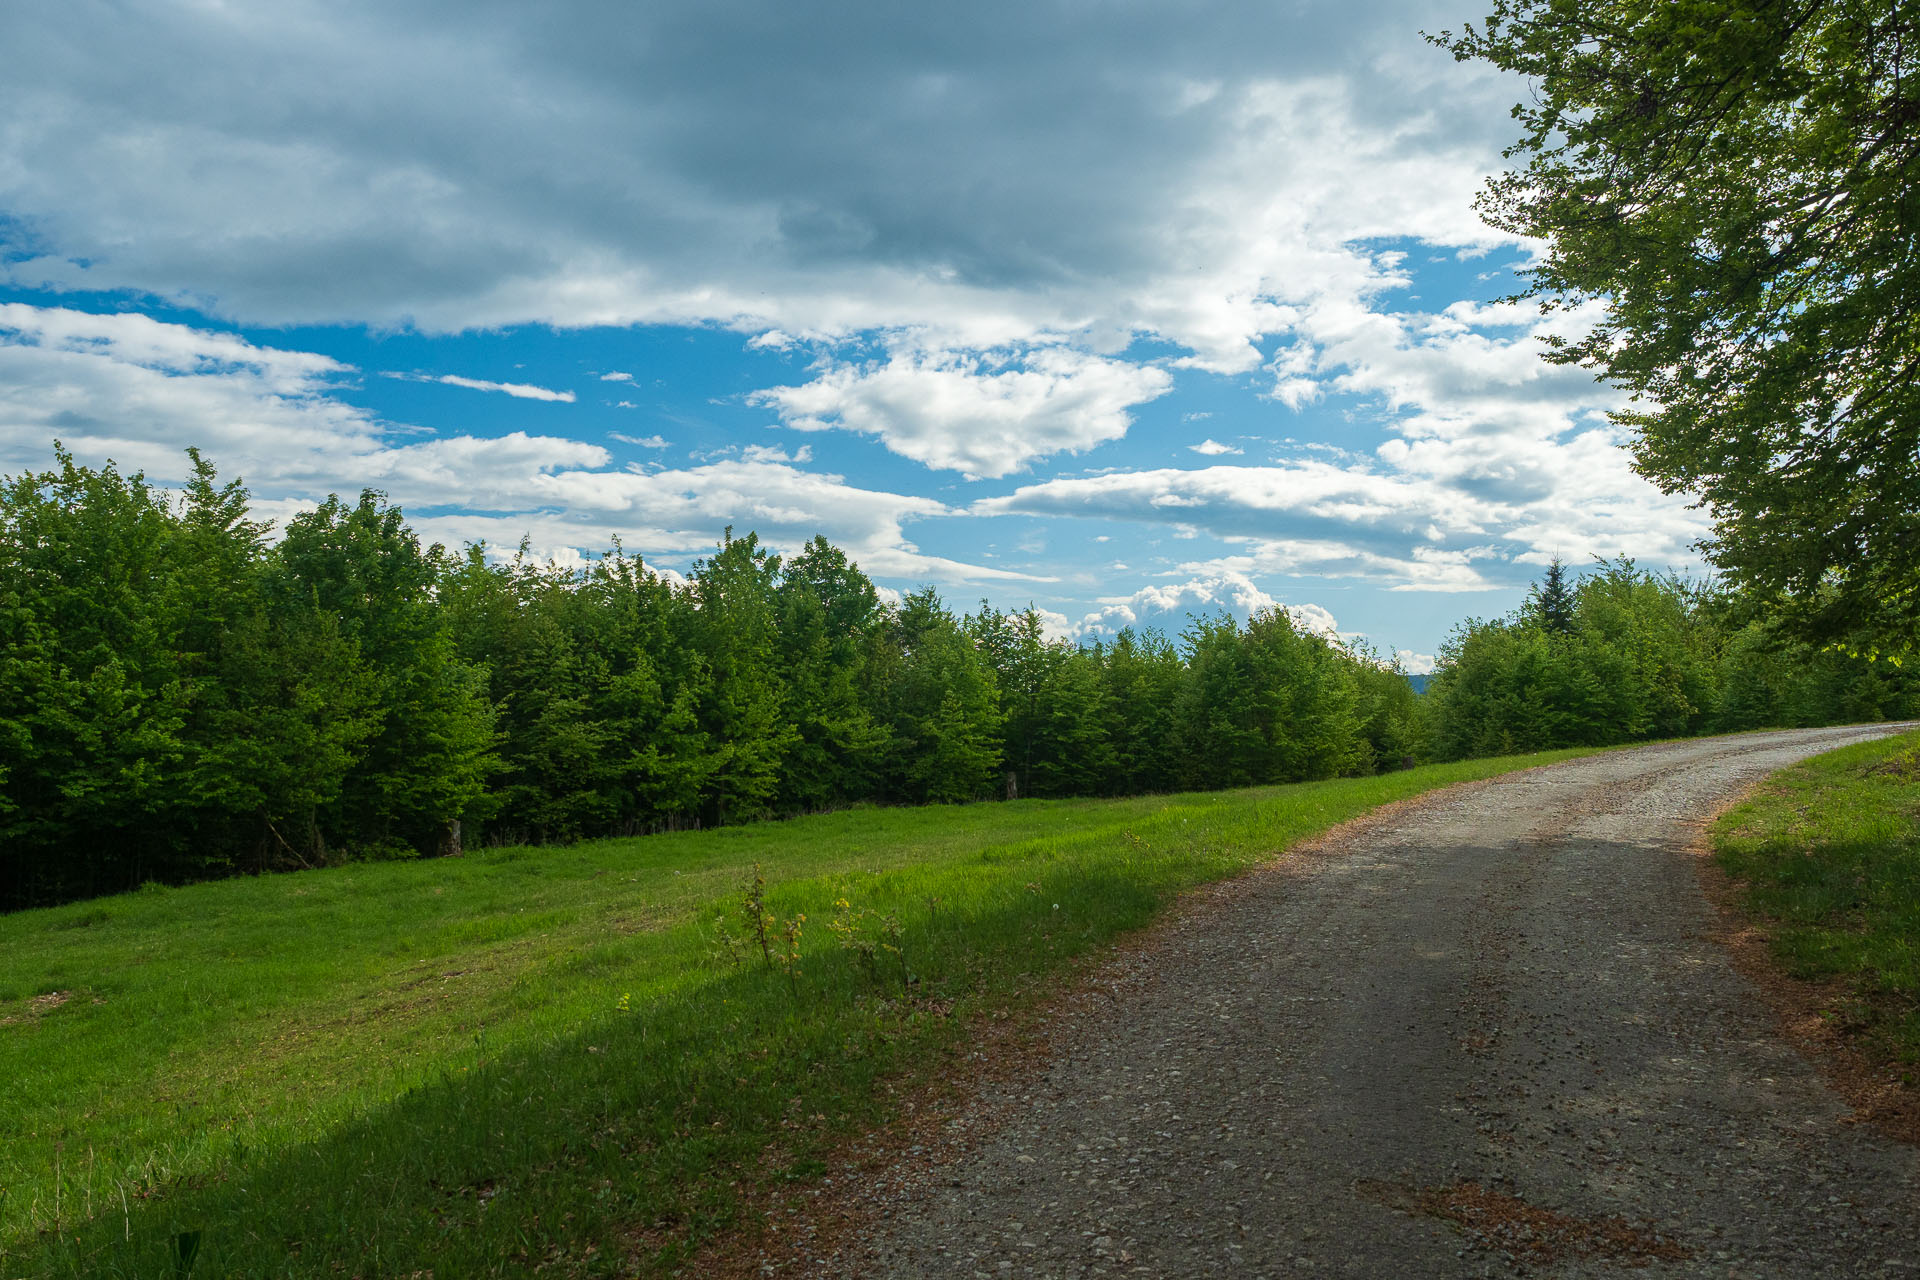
1828,853
545,1057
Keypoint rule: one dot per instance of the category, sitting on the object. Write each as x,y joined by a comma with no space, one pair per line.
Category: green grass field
1829,854
547,1057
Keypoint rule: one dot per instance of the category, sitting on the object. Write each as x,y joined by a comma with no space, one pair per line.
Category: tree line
183,696
1622,655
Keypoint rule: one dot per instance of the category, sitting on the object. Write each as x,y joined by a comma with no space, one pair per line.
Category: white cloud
1147,171
138,339
1495,460
1479,414
974,415
1213,448
1313,618
1257,501
1016,216
1057,626
1418,568
518,390
643,442
1167,606
1415,664
139,391
773,453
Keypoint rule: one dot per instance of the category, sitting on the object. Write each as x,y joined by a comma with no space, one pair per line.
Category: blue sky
1123,310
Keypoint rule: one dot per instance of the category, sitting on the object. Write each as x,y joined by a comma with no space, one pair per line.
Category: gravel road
1486,1035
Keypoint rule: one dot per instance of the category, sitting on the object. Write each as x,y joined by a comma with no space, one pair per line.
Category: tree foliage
1643,657
182,696
1739,184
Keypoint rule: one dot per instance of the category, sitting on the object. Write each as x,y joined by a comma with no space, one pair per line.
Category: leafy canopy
1737,182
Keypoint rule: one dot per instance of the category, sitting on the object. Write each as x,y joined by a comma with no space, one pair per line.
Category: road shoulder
1810,1013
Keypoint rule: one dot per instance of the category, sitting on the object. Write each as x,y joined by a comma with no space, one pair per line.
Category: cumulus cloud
1477,413
1494,459
1415,664
129,337
1168,605
518,390
1311,617
138,391
143,390
1057,626
974,414
1213,448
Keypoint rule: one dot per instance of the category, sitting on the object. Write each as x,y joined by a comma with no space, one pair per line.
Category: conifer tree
744,708
944,705
1076,755
1217,724
829,611
281,703
425,767
1551,601
1143,675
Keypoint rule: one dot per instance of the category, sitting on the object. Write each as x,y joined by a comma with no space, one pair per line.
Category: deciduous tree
1737,182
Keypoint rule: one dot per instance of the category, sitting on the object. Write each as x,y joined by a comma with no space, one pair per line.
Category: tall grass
547,1057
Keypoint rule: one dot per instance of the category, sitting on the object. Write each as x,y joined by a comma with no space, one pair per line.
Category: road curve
1486,1035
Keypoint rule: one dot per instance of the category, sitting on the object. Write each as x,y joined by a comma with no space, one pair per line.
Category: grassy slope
542,1055
1829,853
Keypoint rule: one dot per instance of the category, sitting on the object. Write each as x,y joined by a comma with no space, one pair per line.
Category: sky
1127,311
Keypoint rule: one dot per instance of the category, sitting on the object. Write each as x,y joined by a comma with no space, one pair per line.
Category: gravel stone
1487,1035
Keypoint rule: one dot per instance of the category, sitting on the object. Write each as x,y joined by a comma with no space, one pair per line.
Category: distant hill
1419,683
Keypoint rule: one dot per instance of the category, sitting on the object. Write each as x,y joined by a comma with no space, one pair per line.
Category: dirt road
1487,1036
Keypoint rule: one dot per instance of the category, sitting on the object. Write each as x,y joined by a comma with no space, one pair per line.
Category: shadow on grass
1829,853
635,1137
639,1132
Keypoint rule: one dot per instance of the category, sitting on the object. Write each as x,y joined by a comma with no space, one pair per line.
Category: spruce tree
1552,601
